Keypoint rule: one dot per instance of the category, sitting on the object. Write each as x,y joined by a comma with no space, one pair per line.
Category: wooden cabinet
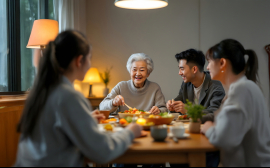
9,138
9,118
95,101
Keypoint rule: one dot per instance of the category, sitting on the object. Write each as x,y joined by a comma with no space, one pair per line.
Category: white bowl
175,115
177,131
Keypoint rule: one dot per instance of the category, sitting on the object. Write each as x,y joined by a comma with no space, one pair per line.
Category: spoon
175,139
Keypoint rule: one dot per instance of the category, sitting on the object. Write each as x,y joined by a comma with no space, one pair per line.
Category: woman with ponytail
57,126
242,126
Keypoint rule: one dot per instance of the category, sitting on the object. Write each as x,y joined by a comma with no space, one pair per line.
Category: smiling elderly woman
137,92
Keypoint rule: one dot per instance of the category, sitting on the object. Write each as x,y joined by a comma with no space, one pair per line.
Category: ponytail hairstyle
56,60
234,51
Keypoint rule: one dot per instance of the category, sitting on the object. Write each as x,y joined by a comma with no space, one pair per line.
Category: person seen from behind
58,127
242,126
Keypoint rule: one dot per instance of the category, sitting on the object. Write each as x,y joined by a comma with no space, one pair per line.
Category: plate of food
141,121
183,118
112,120
132,112
162,118
110,128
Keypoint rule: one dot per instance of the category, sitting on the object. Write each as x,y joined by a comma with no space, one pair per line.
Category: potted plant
106,77
195,113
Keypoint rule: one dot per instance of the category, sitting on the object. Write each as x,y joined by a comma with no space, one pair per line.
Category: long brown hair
234,51
56,59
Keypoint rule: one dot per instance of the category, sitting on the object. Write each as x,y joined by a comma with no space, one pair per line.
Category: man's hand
169,106
95,114
155,110
206,126
118,101
179,106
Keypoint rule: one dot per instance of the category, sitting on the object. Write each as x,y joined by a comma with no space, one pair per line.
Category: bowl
160,121
106,114
159,133
124,115
175,115
177,131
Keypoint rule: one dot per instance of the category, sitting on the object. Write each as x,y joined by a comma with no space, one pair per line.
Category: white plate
115,129
170,135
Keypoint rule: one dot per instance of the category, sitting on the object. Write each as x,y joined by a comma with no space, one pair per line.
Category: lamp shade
141,4
43,31
92,76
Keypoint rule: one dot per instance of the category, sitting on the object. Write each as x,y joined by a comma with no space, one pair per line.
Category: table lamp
43,31
91,77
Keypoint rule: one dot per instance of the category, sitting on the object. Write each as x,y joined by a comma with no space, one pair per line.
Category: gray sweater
144,98
242,127
65,133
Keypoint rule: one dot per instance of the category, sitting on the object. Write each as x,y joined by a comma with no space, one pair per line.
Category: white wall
244,20
117,33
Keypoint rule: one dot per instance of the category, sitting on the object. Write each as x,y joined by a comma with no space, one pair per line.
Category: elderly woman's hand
155,110
118,101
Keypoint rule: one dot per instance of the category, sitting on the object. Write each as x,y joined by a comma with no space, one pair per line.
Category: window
17,72
3,47
29,12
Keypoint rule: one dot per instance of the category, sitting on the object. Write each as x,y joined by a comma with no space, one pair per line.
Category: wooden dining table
145,150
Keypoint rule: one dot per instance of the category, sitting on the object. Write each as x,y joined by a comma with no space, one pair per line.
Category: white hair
140,57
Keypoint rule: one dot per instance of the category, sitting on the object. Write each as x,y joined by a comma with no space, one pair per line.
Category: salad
161,115
134,111
140,121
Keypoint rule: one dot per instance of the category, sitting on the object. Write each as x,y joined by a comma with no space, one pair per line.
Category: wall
117,33
244,20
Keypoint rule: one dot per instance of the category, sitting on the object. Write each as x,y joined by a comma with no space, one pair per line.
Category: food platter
124,115
132,112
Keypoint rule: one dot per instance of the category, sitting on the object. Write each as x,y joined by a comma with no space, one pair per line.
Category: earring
222,71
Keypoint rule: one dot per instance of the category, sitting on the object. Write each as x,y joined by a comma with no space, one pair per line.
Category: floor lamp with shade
92,77
43,31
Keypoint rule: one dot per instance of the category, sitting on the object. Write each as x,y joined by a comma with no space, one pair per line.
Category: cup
106,114
178,131
159,133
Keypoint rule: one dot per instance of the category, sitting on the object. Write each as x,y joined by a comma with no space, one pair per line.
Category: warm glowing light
92,76
141,121
43,31
141,4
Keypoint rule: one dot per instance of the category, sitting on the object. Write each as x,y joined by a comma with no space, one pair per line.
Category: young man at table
197,86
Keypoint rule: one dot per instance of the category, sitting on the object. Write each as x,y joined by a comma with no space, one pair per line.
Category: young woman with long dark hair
57,126
242,126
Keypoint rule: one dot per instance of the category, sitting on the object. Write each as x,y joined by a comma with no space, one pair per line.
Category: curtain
267,48
71,14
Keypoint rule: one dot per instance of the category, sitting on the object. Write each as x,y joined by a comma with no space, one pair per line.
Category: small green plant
106,77
194,111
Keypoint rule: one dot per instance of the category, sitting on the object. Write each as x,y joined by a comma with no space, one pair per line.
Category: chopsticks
128,106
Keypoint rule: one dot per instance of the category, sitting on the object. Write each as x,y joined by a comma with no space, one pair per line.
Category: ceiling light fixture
141,4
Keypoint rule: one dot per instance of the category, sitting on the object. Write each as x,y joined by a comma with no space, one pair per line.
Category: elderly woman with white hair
138,92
